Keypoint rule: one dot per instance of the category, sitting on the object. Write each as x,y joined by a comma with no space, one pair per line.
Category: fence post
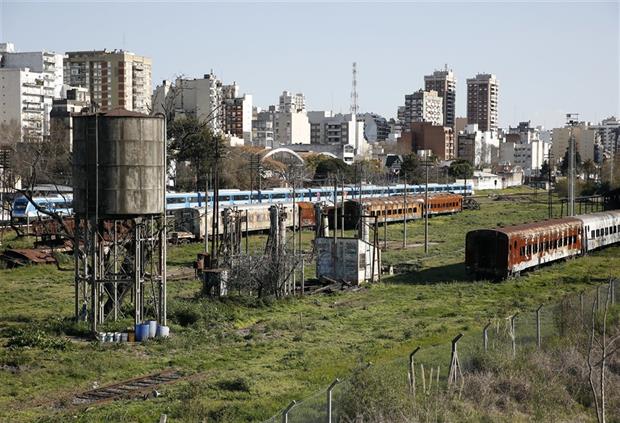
286,411
329,399
513,335
455,365
412,372
538,337
485,336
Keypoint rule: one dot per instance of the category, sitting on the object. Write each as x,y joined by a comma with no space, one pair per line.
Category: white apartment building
26,101
421,106
114,78
263,127
45,62
29,81
292,125
209,100
529,156
524,147
609,134
480,148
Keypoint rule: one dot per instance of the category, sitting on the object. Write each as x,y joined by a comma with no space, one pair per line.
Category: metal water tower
119,162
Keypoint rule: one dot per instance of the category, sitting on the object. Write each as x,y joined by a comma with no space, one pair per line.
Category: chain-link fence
432,368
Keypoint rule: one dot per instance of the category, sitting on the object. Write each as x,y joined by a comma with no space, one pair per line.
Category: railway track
132,388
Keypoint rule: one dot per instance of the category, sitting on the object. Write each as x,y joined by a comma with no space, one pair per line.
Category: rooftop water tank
131,164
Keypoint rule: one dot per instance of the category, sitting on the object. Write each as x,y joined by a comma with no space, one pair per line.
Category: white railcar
600,229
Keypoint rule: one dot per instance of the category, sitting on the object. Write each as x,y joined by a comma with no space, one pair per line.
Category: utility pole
207,213
405,215
426,165
335,209
342,210
216,206
549,192
572,120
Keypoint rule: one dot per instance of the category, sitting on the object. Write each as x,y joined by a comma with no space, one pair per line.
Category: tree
32,163
461,169
331,166
589,168
410,166
545,169
565,162
192,141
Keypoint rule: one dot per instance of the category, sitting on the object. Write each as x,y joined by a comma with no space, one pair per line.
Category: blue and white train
62,204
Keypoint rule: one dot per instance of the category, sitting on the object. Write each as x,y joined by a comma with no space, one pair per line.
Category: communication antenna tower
354,105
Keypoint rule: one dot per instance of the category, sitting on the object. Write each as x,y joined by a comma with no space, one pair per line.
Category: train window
529,250
415,209
606,231
224,198
574,239
592,233
598,233
535,248
522,251
515,245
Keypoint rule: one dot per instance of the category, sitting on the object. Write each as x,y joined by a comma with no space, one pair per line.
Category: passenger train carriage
23,209
505,251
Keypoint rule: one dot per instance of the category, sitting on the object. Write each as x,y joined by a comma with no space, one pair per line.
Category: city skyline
268,48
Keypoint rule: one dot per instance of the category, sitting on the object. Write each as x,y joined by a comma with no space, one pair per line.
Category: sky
551,58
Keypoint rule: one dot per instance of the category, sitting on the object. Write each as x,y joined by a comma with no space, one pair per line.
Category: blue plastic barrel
142,332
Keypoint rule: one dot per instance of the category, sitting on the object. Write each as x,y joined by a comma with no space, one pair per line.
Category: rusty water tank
131,164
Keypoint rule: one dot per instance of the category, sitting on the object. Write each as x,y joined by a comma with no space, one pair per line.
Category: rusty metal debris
133,388
22,257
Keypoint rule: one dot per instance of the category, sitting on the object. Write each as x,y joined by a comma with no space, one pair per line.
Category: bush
238,384
36,338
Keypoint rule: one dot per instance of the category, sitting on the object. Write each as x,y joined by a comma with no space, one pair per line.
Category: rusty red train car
506,251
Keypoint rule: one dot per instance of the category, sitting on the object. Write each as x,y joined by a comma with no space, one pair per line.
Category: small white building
483,179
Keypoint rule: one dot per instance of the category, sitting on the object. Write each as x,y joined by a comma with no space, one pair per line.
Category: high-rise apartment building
482,94
236,114
421,106
29,81
609,133
444,83
114,78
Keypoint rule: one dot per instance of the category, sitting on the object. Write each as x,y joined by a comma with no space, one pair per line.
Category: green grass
250,358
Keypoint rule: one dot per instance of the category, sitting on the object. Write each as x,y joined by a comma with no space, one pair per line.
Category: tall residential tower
114,78
444,83
482,93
